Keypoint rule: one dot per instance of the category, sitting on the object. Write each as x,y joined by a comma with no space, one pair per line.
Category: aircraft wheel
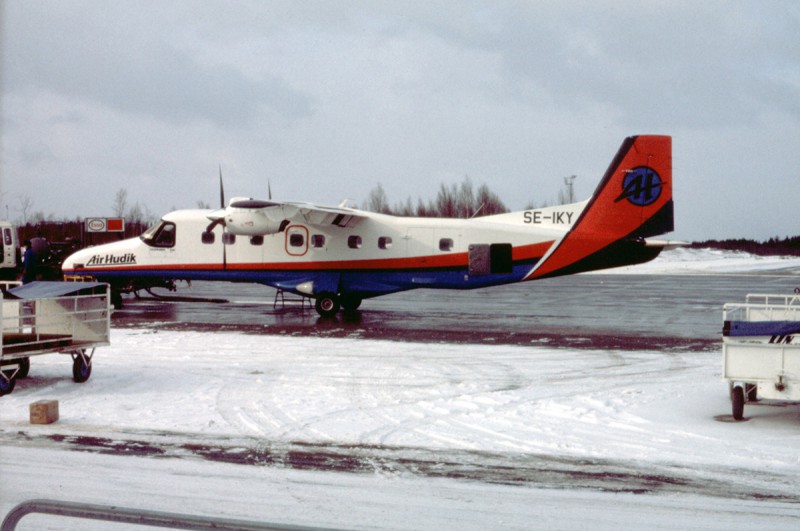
81,368
116,300
7,383
737,402
350,302
327,304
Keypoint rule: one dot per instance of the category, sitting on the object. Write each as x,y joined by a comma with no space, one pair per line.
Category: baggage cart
70,318
761,349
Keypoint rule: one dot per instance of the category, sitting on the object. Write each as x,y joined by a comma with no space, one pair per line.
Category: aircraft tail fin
633,201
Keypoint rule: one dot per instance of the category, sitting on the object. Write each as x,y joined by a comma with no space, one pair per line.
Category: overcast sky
327,99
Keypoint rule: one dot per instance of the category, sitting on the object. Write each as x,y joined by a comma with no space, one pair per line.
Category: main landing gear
329,303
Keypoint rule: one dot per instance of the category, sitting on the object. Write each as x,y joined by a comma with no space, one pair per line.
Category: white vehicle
761,349
340,256
10,257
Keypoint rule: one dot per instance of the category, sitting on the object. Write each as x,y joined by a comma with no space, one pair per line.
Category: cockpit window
161,234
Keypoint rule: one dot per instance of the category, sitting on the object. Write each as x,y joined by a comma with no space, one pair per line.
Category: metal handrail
764,307
122,515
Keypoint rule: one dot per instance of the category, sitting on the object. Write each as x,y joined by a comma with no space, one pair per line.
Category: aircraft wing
249,216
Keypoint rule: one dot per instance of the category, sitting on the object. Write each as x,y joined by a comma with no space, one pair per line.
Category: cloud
124,59
327,100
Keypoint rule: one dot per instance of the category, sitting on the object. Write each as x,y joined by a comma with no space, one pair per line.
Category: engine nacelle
250,222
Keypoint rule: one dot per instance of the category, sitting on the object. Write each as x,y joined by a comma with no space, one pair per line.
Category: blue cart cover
760,328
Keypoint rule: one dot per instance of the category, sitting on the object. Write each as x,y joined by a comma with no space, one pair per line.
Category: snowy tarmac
340,429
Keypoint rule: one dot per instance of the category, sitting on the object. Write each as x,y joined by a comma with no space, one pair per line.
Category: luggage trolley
761,349
52,317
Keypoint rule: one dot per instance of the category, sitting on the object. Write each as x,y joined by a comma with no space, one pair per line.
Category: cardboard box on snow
44,412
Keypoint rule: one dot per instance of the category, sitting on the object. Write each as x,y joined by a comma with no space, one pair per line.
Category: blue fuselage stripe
369,282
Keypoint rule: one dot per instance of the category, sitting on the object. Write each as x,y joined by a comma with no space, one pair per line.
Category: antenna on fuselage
269,190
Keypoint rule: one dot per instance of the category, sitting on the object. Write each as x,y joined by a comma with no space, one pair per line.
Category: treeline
789,246
454,201
75,231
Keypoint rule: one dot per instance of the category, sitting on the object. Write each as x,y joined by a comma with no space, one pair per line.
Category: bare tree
25,206
446,201
425,210
453,201
488,202
120,203
465,200
404,209
377,202
135,214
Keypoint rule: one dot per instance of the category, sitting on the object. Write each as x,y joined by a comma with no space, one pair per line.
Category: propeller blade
221,189
221,219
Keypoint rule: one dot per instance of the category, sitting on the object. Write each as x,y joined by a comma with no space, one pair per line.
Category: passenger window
318,240
446,244
354,242
228,238
208,237
257,240
384,242
296,240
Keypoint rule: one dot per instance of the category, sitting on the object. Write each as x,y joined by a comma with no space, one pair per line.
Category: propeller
248,216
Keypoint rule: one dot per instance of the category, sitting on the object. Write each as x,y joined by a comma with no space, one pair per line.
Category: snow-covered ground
711,261
355,433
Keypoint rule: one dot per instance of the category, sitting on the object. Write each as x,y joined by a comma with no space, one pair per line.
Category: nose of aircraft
76,258
111,254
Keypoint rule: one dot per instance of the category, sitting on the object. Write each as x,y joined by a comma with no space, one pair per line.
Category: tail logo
641,186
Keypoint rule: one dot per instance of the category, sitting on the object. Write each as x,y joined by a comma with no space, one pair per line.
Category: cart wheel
737,402
81,368
7,383
24,367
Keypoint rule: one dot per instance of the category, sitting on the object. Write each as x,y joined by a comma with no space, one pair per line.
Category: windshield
162,234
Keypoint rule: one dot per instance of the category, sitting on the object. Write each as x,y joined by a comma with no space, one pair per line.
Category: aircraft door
487,259
296,243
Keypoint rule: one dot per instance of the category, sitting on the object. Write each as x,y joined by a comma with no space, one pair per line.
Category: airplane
340,256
